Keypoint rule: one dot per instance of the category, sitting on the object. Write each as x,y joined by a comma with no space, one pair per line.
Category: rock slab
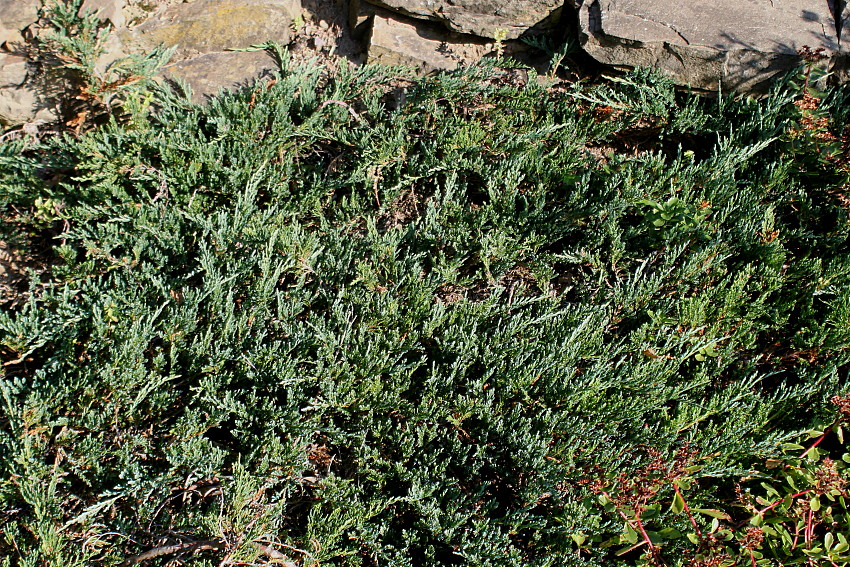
736,44
15,16
420,44
108,10
205,26
485,18
20,102
204,73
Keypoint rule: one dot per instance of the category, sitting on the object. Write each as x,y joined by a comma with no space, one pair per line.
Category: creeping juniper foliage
314,323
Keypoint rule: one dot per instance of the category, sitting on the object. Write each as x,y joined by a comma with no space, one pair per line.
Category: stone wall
732,44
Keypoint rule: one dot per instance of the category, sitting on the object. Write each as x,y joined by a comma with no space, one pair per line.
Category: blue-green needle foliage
389,331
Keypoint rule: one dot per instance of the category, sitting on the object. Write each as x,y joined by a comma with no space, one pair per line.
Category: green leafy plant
803,515
674,214
816,138
793,512
499,37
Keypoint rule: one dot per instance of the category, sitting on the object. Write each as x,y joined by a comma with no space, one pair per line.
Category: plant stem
636,523
688,512
816,443
762,511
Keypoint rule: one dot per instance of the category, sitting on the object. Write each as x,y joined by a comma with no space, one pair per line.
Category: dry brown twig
216,544
344,105
275,555
190,547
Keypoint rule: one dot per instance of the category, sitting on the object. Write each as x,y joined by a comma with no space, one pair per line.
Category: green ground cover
486,323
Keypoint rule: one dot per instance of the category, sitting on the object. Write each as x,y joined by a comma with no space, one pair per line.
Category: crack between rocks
836,8
665,24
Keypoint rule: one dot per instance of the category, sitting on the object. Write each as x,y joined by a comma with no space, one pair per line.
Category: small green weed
557,52
674,215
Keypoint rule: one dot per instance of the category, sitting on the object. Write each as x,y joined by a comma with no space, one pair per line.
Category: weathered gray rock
19,103
107,10
16,15
209,73
112,52
13,70
420,44
137,11
205,26
485,18
734,43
